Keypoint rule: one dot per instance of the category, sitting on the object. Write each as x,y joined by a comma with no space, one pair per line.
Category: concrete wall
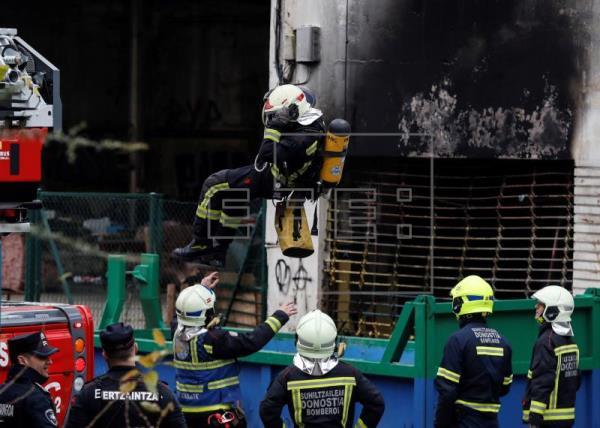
586,153
326,78
465,78
291,279
480,78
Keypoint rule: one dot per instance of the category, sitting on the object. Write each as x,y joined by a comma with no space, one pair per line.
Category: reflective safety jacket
206,369
322,401
294,158
553,380
475,372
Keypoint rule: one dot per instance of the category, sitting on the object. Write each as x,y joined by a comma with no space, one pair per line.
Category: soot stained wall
481,78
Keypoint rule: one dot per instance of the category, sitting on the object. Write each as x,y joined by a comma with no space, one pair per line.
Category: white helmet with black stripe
194,305
288,99
558,302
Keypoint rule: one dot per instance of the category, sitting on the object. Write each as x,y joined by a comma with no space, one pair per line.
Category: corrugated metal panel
509,222
586,256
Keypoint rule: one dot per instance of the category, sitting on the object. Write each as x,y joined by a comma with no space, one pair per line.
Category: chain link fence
68,248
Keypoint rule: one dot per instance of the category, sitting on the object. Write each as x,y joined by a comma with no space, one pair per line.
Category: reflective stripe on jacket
206,369
553,380
294,152
322,401
200,380
475,371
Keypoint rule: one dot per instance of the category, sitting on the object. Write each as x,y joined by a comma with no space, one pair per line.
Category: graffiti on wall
293,280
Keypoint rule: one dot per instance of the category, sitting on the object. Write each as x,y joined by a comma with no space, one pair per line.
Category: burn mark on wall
513,132
486,78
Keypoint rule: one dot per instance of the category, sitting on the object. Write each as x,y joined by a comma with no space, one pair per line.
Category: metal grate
511,222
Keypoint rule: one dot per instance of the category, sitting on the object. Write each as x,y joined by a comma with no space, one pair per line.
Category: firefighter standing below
23,400
288,158
476,367
101,403
319,389
553,377
207,373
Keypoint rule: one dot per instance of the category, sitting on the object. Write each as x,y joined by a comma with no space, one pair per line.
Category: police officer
476,367
207,373
553,376
288,158
23,400
101,402
318,388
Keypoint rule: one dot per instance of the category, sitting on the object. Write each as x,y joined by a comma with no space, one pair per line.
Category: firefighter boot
203,252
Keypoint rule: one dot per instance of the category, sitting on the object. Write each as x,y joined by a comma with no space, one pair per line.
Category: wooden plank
586,191
580,266
592,229
581,245
343,299
590,276
587,181
585,218
587,200
245,310
579,286
588,210
585,256
586,171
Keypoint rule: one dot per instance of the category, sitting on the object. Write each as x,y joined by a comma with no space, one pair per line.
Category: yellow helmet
472,295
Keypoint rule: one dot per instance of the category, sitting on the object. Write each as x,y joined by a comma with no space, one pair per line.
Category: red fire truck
29,106
69,328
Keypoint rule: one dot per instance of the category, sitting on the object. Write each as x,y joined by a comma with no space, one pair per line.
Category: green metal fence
75,233
415,348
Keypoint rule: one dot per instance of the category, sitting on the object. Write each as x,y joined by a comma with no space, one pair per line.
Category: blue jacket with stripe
475,371
207,373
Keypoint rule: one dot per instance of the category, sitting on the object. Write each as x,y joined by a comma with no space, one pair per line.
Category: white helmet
558,301
193,304
285,96
316,335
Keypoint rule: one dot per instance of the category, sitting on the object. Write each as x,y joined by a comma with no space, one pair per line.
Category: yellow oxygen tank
292,230
334,153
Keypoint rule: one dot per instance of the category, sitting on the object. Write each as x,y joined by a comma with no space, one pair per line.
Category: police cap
34,343
117,337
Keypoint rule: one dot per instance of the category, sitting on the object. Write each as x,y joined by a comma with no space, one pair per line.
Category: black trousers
225,200
467,418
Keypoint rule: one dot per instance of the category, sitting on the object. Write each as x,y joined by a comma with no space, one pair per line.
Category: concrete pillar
300,279
292,279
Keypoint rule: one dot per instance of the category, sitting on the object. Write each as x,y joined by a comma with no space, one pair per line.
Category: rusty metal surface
509,222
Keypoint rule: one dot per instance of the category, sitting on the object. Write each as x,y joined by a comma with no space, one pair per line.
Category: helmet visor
459,301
